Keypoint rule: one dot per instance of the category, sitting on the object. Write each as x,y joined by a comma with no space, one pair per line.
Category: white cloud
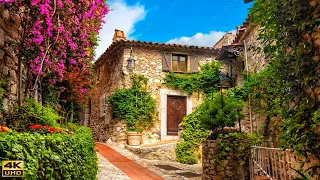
121,16
199,39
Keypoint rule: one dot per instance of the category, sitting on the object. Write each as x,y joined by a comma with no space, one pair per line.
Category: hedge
52,156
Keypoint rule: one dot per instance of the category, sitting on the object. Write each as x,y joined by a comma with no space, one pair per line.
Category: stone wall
227,169
109,77
256,60
9,66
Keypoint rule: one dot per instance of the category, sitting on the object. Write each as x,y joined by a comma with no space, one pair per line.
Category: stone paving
166,174
107,171
132,169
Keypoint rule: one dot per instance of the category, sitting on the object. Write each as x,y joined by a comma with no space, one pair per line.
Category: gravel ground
166,174
107,171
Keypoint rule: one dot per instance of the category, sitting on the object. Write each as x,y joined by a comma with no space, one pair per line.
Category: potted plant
135,107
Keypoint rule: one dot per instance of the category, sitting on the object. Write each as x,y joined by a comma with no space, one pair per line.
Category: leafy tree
221,111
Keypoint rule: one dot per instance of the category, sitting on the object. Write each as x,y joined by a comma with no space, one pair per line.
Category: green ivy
134,105
54,156
290,28
205,80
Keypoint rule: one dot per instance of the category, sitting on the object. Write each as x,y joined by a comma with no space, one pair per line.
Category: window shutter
166,61
194,67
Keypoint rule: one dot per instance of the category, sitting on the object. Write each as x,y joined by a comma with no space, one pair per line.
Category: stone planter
134,138
227,169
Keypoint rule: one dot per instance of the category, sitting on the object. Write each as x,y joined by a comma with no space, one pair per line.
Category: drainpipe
249,99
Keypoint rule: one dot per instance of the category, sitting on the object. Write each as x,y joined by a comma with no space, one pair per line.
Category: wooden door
176,110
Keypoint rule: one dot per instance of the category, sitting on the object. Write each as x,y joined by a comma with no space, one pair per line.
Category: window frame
179,55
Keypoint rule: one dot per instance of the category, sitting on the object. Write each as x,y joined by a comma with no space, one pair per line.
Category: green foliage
290,30
135,105
205,80
235,146
193,134
31,113
185,153
221,111
55,156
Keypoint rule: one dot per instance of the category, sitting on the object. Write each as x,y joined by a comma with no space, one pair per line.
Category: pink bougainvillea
60,34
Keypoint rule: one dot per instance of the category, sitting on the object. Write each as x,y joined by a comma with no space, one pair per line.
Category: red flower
51,130
47,126
35,126
3,129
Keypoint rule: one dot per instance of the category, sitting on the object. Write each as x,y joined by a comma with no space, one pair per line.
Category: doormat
167,167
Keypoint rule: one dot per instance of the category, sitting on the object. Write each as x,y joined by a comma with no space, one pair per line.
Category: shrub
193,134
135,105
31,113
221,111
185,153
52,156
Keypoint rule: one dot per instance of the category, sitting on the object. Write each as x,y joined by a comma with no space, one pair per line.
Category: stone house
152,60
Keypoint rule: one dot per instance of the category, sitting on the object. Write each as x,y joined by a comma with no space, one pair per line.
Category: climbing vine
135,106
205,80
291,28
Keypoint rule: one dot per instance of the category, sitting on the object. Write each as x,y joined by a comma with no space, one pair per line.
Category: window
179,63
103,105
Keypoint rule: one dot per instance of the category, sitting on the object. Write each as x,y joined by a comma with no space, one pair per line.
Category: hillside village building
152,60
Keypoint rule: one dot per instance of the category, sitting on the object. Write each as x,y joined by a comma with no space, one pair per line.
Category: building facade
153,60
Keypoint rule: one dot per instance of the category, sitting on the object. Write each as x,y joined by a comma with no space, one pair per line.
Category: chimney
118,35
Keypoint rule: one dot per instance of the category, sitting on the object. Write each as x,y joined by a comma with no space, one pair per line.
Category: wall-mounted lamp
131,61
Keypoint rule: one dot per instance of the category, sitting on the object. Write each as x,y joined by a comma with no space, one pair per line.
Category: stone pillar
226,169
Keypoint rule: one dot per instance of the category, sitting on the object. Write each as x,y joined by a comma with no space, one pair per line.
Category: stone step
162,150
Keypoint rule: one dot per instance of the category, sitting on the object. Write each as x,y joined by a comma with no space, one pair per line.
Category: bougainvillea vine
59,35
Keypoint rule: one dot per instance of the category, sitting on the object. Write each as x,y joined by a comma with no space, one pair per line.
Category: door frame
163,110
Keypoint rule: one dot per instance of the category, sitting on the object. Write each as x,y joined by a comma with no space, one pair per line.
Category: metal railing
270,163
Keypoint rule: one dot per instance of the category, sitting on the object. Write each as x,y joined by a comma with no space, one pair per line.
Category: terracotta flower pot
134,138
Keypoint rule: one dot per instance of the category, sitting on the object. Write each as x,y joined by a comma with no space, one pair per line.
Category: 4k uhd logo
12,168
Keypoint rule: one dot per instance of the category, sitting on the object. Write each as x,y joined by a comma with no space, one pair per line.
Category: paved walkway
129,167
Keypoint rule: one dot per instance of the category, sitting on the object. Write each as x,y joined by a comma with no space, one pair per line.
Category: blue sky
201,22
